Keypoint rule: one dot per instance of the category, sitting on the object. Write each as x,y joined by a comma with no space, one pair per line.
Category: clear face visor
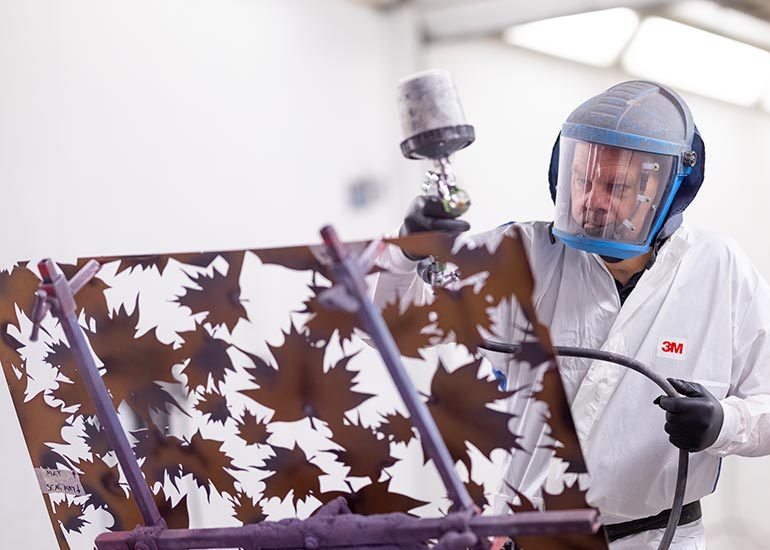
608,193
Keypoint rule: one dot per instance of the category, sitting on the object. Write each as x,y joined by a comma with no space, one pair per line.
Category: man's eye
617,187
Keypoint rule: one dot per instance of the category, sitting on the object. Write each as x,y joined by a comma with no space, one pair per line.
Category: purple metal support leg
58,295
351,277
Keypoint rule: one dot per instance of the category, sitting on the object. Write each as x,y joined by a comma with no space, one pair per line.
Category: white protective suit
700,313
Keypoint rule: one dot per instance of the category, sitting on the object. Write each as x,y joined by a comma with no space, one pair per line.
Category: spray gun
434,128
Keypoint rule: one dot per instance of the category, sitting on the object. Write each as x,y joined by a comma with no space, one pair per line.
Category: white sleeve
746,426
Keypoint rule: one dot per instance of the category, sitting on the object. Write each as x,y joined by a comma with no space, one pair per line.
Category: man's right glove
427,214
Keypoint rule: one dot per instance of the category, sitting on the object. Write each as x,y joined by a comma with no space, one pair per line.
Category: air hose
641,368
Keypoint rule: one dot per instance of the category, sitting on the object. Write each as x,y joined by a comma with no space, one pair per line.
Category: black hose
641,368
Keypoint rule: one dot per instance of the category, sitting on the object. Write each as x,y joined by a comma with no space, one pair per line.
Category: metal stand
333,526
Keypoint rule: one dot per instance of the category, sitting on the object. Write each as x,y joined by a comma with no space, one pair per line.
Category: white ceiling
448,19
457,18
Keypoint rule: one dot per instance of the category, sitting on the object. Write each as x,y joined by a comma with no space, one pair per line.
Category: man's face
606,186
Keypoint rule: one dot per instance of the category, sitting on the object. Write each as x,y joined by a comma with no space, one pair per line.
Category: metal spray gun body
434,128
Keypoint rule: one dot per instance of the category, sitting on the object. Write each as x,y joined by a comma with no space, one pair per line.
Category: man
618,271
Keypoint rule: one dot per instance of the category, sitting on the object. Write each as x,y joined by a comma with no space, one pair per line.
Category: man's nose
597,198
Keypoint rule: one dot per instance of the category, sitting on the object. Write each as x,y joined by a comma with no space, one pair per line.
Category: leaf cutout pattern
454,405
479,497
70,515
366,454
292,473
300,388
158,261
407,327
102,484
96,438
128,374
41,422
219,296
562,427
251,430
214,405
209,361
177,515
397,428
462,313
325,321
17,289
169,456
246,510
306,258
376,498
506,267
301,380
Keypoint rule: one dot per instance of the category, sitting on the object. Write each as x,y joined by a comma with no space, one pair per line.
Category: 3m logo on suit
672,348
669,346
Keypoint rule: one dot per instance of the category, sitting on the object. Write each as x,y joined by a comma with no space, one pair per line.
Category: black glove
427,214
693,422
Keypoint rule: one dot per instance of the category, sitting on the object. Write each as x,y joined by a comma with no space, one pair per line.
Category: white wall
170,125
517,100
191,123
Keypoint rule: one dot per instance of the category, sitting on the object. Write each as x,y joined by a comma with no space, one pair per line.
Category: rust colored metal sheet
247,393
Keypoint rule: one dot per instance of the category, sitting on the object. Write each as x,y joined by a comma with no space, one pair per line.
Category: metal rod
63,306
375,326
353,531
84,276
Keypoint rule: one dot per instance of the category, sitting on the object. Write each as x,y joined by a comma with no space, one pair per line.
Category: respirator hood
644,118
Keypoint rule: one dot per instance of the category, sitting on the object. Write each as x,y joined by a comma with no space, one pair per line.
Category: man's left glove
693,422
